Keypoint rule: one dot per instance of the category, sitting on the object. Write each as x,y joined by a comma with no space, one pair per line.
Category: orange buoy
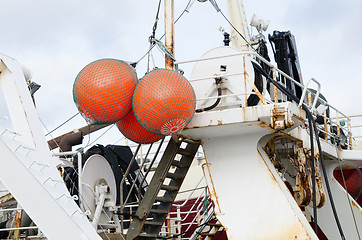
133,130
103,90
164,102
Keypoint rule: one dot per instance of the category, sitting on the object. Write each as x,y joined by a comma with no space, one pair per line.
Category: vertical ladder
146,211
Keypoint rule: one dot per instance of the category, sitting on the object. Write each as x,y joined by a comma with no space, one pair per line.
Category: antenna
261,25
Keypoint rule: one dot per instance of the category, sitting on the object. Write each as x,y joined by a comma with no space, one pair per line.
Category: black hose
309,115
315,217
217,81
327,183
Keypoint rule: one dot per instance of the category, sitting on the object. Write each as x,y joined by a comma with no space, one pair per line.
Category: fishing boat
262,154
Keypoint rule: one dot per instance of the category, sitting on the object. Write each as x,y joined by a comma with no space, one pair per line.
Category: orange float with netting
103,90
164,102
133,130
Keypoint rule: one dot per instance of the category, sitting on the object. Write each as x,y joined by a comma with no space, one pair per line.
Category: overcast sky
56,39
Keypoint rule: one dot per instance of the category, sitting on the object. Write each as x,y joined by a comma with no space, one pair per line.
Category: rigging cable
152,45
112,125
56,143
62,124
309,115
152,37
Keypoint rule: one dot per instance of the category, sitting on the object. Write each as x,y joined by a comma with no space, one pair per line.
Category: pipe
70,140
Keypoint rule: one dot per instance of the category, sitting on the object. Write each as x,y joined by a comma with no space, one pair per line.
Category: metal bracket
280,118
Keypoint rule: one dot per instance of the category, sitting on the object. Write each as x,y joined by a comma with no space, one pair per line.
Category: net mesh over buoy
164,102
133,130
103,90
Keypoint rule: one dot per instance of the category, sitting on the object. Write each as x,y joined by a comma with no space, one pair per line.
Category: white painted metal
316,96
29,171
22,111
102,191
256,204
238,19
229,69
347,208
253,205
42,194
80,175
96,169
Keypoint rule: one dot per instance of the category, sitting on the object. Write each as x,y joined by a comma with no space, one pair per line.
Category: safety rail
17,228
331,127
196,206
359,126
190,214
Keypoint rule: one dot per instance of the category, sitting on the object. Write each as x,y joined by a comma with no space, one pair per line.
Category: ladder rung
175,176
214,224
207,234
179,164
169,187
158,211
148,235
183,152
164,199
153,223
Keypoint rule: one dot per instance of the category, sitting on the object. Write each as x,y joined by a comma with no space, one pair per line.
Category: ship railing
19,228
358,126
190,214
147,152
331,126
196,205
141,175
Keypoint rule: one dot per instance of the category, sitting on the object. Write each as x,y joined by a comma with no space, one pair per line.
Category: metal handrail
305,91
267,63
192,192
122,183
17,228
288,78
137,176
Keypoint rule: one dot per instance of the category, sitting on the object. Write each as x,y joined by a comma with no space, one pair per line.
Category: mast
238,19
169,32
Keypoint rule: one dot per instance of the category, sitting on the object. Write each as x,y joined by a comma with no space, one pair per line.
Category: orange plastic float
133,130
164,102
103,90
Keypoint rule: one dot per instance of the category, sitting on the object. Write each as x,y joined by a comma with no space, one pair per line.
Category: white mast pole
169,32
238,19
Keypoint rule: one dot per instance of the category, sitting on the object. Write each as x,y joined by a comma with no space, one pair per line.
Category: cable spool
103,90
133,130
164,102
